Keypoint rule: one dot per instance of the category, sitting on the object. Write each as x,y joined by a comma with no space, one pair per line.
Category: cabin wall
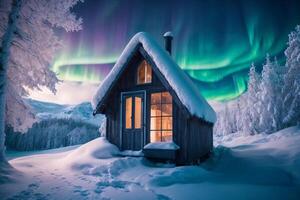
193,135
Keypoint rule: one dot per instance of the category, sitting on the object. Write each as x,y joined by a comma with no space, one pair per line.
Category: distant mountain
82,112
58,126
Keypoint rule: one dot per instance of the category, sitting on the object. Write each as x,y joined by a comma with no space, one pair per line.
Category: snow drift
253,167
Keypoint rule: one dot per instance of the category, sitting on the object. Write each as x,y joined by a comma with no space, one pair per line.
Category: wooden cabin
152,105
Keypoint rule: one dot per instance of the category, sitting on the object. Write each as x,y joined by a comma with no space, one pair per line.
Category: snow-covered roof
183,86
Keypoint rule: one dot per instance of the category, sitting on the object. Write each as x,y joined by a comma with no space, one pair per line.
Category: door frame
143,92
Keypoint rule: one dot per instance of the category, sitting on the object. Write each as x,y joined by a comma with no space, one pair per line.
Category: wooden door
133,117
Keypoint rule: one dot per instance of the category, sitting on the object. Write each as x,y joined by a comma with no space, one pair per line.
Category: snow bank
162,145
178,80
98,148
278,139
254,167
99,157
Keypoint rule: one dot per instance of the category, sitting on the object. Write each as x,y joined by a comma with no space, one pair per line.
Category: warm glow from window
128,112
138,112
161,123
144,73
133,112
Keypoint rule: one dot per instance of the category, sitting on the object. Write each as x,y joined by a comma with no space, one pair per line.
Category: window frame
161,116
133,113
137,73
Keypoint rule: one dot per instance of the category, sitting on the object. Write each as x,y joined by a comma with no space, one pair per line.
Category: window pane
138,112
156,98
141,74
144,73
128,112
155,136
166,97
148,73
155,123
166,136
161,124
155,110
166,109
167,123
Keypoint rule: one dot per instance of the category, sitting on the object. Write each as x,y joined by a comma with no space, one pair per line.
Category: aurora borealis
214,41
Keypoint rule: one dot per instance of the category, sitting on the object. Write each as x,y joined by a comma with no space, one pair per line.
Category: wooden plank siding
193,135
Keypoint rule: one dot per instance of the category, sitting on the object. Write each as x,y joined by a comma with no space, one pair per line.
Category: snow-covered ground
252,167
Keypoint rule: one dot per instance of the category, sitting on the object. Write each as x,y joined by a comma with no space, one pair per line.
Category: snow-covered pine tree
34,43
226,127
253,105
267,97
280,71
238,114
270,90
223,125
244,118
291,90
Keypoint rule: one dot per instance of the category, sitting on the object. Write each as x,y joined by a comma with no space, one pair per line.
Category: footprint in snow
30,193
33,186
82,192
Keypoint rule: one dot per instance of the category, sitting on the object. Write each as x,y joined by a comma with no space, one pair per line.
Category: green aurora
215,42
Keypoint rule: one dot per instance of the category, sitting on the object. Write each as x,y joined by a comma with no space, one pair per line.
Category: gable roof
182,85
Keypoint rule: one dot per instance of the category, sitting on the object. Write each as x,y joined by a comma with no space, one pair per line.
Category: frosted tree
291,90
225,123
267,97
271,86
6,41
278,83
244,117
253,105
239,114
28,45
226,127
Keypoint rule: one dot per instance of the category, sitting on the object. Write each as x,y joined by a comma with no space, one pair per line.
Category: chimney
168,41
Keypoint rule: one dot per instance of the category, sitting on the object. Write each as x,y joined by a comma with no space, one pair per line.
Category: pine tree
239,114
278,83
253,104
270,96
291,91
266,97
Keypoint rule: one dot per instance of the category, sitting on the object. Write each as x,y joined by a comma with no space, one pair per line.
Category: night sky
214,41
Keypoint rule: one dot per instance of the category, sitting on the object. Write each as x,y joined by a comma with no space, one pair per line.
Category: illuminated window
138,112
144,73
133,116
128,111
161,123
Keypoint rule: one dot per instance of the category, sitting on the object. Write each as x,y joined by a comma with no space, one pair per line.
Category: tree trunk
4,57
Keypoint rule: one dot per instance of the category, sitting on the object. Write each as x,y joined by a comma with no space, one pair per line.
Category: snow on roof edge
183,86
